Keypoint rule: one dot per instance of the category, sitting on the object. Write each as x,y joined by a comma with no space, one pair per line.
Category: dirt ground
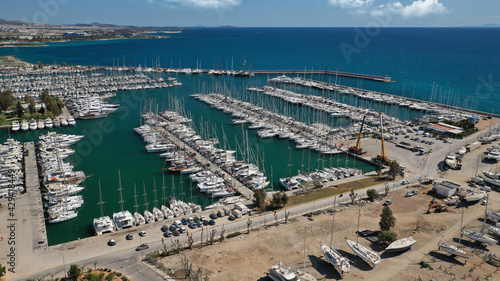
249,256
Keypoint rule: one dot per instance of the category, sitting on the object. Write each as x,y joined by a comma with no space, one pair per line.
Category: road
124,258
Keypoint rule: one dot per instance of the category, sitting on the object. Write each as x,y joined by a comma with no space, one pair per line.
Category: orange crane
357,149
382,158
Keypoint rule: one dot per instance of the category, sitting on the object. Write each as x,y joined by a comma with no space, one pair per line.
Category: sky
257,13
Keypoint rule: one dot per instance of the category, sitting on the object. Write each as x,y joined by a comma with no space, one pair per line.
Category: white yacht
57,123
340,263
15,126
453,250
493,155
478,236
25,125
279,272
64,216
103,225
71,121
157,214
401,244
139,219
475,195
123,219
64,122
40,124
33,125
48,123
148,216
364,253
167,213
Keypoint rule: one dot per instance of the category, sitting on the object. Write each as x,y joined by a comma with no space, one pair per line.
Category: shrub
387,237
234,234
372,194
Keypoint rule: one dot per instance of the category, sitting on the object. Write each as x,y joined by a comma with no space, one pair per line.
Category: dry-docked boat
401,244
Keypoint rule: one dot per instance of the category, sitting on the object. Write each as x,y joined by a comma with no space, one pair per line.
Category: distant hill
12,22
484,25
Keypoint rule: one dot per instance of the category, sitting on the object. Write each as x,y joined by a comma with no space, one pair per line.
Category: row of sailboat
439,111
60,180
124,218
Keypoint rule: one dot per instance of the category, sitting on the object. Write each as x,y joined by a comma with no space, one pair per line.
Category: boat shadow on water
445,258
324,268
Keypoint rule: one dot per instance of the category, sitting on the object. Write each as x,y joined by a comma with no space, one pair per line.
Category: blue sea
457,66
460,65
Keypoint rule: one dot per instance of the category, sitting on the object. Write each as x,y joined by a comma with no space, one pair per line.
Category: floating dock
385,79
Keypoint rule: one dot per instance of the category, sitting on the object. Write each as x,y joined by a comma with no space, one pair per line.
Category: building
444,128
446,188
75,34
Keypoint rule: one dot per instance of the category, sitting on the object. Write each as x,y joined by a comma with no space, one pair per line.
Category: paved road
123,256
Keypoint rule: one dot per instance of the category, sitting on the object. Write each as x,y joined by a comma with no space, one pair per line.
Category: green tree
40,64
259,199
6,100
19,109
2,270
284,198
387,219
93,276
74,272
372,194
394,169
32,106
50,102
387,237
379,169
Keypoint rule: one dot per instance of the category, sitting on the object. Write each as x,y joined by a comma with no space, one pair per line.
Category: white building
446,188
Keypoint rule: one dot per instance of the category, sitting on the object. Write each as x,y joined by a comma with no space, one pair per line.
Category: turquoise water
461,63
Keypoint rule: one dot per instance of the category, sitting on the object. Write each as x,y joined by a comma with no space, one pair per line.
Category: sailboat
478,235
279,272
341,264
361,251
401,244
103,224
148,216
454,250
123,219
157,214
138,218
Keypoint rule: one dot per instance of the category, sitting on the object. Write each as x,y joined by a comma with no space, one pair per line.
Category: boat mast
100,199
145,194
135,198
357,230
155,201
120,190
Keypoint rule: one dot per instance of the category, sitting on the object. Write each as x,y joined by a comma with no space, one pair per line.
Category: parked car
183,229
112,242
387,203
411,193
184,221
142,233
130,236
176,232
168,233
164,228
211,222
192,225
141,247
173,227
405,182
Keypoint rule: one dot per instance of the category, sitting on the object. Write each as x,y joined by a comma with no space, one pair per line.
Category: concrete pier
33,210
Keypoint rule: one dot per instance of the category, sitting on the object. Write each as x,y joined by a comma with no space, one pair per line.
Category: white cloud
207,4
419,8
351,3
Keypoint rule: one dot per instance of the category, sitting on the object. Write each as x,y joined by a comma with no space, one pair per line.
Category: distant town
20,33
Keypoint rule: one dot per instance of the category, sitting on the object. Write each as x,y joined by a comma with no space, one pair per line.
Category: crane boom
382,136
357,149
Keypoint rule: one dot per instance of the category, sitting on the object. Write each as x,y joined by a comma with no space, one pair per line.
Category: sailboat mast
120,190
135,198
100,199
